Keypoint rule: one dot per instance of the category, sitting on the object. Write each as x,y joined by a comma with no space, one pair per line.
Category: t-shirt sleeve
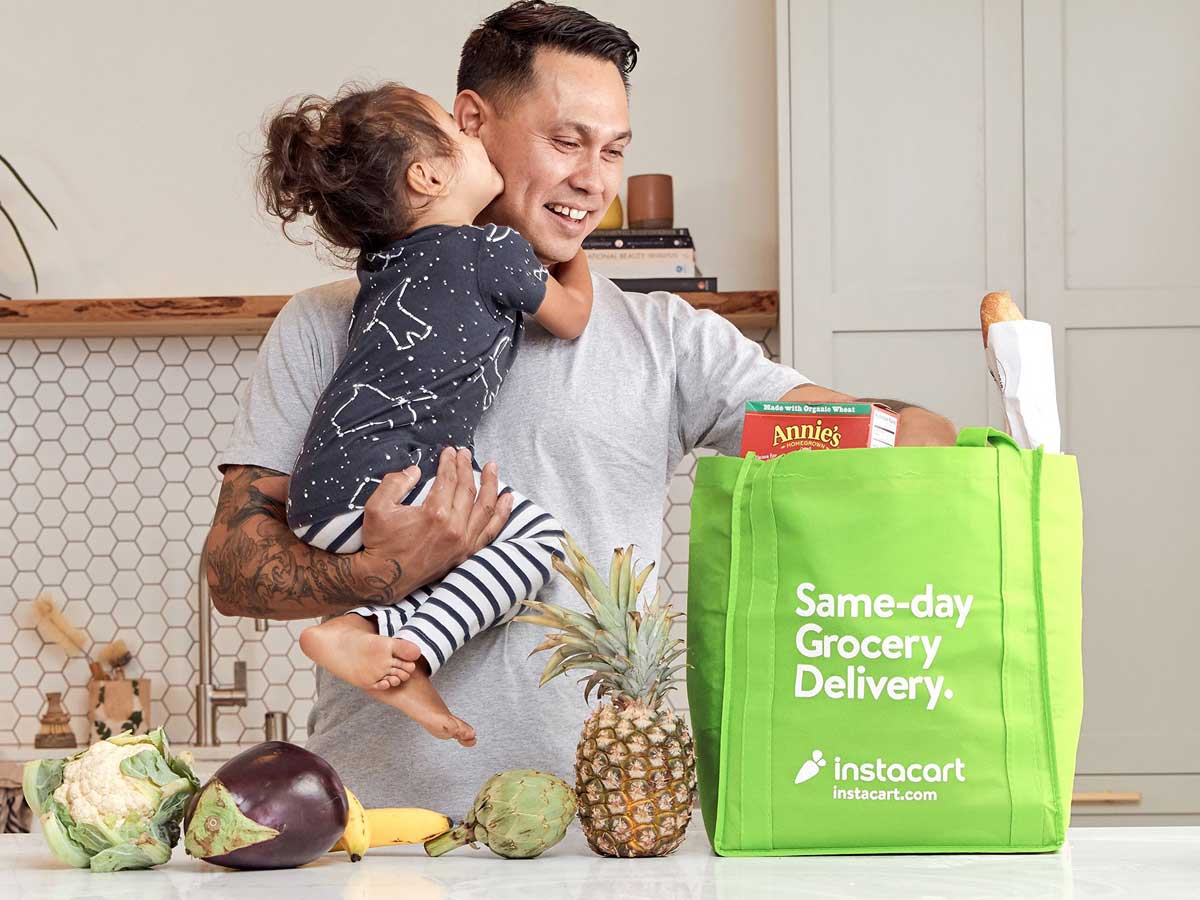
293,367
717,370
509,271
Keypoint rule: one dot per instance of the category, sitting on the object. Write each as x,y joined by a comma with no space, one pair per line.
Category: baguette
997,307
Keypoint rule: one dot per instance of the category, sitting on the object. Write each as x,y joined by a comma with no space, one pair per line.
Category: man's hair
497,58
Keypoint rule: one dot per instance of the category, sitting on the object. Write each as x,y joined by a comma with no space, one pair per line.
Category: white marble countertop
1147,863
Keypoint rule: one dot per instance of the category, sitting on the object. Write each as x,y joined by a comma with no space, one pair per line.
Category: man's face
560,148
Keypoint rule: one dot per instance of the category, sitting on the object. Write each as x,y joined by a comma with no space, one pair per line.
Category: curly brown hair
343,162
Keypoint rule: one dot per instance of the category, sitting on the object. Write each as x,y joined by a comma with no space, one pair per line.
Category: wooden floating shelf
162,316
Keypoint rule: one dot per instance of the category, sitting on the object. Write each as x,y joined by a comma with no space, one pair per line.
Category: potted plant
16,230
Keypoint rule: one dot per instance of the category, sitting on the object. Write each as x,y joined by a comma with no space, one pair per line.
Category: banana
382,827
405,826
357,836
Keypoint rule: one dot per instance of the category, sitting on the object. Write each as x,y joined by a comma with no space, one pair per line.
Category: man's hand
917,427
921,428
258,567
425,542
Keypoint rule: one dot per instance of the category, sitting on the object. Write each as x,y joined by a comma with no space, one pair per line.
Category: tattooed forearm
258,567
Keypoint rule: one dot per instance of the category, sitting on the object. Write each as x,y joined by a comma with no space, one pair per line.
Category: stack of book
647,259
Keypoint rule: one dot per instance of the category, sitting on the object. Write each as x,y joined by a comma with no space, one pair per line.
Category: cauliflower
95,790
116,805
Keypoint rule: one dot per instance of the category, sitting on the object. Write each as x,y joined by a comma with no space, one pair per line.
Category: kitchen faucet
210,698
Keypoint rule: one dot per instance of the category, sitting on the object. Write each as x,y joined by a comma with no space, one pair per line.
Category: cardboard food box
774,428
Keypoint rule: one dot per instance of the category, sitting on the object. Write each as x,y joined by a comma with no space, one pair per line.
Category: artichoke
519,814
116,805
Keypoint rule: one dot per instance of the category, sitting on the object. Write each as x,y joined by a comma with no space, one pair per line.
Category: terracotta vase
651,201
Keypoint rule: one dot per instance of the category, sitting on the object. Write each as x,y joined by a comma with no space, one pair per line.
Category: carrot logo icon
811,767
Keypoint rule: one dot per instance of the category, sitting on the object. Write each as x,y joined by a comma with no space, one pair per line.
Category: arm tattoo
258,567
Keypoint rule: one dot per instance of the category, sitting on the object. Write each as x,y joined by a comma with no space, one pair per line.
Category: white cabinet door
901,173
1112,118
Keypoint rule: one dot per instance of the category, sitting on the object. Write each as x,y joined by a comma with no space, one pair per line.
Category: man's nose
587,177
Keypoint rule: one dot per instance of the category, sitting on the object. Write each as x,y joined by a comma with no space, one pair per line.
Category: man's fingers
394,487
496,523
485,506
464,492
447,478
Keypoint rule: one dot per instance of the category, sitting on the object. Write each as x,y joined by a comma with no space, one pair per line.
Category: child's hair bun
341,162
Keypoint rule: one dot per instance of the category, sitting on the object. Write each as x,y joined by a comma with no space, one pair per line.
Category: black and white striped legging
484,590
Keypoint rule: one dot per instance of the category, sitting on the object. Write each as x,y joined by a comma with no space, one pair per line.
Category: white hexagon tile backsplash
107,489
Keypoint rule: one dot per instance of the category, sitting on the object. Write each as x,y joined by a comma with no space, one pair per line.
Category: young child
393,184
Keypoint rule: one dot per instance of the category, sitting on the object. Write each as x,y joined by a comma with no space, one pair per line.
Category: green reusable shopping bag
884,648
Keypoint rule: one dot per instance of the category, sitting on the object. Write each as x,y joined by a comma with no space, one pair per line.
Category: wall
137,124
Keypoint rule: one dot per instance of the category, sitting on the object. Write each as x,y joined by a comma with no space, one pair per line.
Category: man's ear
424,178
471,112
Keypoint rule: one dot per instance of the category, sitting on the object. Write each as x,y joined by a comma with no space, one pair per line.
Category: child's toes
401,675
464,733
405,650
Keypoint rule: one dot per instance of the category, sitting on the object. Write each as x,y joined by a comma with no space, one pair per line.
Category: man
592,429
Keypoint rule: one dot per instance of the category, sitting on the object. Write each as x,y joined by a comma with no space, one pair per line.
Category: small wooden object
55,730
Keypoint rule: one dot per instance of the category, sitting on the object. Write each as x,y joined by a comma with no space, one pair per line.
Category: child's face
475,179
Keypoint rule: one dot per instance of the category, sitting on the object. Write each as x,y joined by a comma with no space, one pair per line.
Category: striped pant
484,590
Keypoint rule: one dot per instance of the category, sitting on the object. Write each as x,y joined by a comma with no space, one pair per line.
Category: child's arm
568,302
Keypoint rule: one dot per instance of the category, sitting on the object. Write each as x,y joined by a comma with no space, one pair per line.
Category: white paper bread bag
1020,358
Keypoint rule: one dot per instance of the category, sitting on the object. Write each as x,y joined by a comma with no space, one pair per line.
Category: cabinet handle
1101,797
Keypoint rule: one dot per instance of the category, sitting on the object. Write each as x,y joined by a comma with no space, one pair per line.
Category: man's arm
918,427
257,567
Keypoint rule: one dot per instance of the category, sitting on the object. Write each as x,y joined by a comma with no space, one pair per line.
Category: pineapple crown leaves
629,651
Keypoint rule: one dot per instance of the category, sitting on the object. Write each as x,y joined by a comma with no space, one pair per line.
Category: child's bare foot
420,700
349,647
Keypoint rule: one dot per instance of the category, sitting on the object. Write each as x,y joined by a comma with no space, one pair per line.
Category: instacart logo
847,773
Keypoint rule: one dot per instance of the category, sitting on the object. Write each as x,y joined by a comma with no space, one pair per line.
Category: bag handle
984,437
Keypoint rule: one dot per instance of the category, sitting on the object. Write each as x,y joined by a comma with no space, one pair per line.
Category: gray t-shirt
592,429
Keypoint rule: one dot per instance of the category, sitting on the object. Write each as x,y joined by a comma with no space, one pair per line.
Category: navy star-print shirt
435,326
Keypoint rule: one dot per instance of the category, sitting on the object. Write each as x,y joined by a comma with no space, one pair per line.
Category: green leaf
181,766
92,838
24,249
39,780
150,766
28,190
145,852
60,842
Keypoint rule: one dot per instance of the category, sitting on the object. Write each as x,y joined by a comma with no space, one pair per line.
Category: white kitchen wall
107,489
137,124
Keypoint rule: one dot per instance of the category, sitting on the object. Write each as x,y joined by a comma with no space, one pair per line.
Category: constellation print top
435,326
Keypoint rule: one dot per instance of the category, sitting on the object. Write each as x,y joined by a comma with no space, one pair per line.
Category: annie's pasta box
774,428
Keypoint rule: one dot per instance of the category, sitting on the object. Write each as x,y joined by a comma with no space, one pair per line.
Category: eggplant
274,806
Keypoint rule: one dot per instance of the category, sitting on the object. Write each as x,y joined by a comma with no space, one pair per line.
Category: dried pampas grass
54,628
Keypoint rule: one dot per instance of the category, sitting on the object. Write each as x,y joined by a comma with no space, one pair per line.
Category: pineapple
635,768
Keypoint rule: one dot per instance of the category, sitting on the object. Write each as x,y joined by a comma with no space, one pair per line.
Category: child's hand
568,303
